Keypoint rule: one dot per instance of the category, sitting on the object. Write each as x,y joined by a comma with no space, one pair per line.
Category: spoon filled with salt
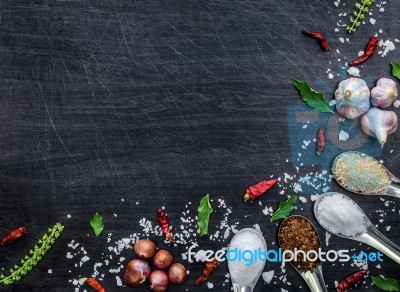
340,215
362,174
245,269
297,233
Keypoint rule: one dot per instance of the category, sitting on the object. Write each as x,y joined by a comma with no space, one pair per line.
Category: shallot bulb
163,259
385,93
177,274
136,272
145,248
379,123
158,281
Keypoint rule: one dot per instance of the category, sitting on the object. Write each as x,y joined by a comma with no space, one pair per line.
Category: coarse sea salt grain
340,215
343,136
388,46
396,104
354,71
303,199
268,276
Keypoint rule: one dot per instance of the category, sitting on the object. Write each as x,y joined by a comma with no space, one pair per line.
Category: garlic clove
384,94
379,124
352,98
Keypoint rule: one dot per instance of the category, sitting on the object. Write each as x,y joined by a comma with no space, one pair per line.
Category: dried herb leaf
386,284
395,69
203,215
97,224
285,208
313,98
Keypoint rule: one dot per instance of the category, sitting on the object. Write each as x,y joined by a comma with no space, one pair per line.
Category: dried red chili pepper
349,281
320,37
14,235
164,224
92,282
321,141
258,189
208,269
369,51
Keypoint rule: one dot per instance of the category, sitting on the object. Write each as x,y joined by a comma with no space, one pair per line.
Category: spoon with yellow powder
362,174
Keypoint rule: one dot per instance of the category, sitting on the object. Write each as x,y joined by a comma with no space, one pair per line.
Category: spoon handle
393,189
315,280
238,288
377,240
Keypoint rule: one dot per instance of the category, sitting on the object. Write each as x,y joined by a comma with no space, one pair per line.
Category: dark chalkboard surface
108,103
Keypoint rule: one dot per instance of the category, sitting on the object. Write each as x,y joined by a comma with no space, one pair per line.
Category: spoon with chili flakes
297,233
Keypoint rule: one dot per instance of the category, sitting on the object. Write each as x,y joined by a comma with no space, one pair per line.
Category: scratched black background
159,102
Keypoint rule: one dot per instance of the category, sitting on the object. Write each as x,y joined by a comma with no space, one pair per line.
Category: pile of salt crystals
244,264
340,215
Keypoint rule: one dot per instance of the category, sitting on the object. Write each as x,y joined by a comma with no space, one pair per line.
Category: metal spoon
392,188
314,277
371,237
246,280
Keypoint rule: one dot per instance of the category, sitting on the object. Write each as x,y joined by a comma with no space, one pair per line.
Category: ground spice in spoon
296,232
360,173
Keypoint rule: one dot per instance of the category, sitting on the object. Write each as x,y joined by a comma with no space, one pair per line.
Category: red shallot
177,274
163,259
158,281
145,248
136,272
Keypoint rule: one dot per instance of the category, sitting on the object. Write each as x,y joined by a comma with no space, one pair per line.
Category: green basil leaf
285,208
314,99
97,224
203,215
395,69
385,284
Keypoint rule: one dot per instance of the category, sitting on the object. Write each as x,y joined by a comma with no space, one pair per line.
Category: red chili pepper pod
164,224
320,37
14,235
349,281
208,269
258,189
92,282
321,141
372,47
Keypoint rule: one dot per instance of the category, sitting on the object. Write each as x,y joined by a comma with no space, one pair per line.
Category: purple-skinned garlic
379,123
352,98
384,94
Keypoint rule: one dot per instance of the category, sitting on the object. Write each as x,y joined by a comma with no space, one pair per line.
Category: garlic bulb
352,98
384,94
379,123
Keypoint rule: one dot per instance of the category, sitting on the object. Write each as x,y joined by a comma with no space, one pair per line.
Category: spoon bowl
313,277
391,188
371,236
244,278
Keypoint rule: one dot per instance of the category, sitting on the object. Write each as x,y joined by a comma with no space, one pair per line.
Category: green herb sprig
203,215
34,256
362,8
